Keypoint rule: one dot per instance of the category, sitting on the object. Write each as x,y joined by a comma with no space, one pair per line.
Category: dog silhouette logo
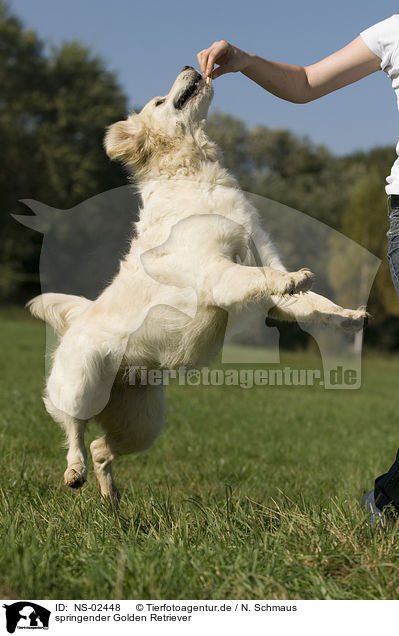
83,247
26,615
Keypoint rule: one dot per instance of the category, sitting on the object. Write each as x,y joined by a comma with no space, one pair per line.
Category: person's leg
386,486
393,240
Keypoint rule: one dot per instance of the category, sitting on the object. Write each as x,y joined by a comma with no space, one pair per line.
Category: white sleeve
383,39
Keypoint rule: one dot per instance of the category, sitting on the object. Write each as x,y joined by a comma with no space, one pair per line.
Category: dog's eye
159,102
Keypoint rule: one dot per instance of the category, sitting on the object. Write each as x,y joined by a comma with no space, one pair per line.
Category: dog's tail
59,310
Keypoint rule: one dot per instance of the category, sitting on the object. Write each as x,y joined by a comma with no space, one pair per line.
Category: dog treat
208,80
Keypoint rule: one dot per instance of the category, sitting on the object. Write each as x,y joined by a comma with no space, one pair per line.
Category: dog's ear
127,141
119,139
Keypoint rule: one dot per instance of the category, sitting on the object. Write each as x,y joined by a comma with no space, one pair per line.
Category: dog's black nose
186,68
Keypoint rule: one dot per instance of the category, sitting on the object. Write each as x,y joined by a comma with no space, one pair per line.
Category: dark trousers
386,487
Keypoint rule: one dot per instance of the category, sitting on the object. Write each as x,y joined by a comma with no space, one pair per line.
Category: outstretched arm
298,84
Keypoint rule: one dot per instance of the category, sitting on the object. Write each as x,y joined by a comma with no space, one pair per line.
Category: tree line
55,104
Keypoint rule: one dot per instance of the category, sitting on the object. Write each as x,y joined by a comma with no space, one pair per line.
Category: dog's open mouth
192,90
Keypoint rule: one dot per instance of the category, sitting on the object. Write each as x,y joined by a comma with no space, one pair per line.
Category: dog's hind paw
112,496
75,477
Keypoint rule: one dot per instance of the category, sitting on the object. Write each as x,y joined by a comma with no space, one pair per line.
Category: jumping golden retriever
198,254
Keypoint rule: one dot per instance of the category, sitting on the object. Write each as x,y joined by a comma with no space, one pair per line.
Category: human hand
230,59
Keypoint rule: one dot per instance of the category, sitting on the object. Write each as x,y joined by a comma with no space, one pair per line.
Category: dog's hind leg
133,419
79,387
102,454
76,472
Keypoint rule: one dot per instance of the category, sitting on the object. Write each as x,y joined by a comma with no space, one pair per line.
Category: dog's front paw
353,320
75,476
300,281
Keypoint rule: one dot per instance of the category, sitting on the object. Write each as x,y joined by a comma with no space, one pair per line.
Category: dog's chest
201,340
169,338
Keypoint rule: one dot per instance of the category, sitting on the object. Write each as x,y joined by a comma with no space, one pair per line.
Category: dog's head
167,128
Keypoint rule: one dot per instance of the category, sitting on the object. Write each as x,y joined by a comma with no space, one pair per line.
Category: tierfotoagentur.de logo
26,615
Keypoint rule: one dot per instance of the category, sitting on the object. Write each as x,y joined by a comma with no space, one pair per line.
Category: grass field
248,493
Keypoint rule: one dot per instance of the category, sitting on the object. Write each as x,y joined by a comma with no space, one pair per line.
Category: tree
53,113
231,135
282,166
365,220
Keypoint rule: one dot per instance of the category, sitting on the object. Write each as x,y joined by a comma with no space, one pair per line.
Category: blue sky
147,43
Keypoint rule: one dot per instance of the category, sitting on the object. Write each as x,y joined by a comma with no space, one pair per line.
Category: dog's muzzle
190,91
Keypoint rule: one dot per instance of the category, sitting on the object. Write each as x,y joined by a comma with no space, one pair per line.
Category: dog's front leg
314,308
233,284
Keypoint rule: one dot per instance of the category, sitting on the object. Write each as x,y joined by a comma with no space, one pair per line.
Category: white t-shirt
383,40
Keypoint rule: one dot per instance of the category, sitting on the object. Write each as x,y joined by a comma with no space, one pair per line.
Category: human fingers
216,54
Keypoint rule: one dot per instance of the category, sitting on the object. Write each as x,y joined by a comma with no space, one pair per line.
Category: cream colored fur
199,253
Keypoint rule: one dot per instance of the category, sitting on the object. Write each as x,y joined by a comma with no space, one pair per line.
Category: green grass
247,494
